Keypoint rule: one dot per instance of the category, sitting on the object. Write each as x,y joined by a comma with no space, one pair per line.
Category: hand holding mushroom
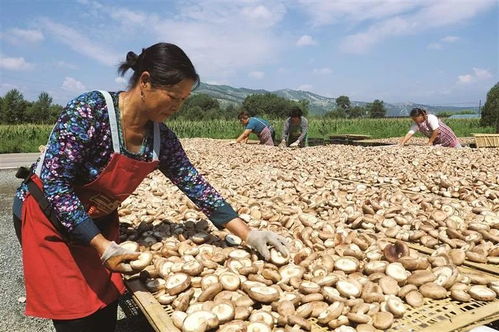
260,240
115,258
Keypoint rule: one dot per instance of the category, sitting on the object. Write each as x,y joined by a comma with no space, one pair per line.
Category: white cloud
324,12
236,49
478,75
252,14
306,40
221,37
445,40
120,80
362,42
257,75
305,87
322,71
412,18
14,63
435,46
128,16
22,36
450,39
465,79
482,74
63,64
80,43
258,14
73,85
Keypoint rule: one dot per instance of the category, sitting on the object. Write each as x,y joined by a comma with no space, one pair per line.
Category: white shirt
432,121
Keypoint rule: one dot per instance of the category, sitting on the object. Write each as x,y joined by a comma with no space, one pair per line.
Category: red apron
69,281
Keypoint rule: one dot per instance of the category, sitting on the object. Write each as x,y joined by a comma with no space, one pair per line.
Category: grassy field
27,138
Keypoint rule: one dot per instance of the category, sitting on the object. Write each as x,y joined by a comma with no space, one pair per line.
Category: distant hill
226,94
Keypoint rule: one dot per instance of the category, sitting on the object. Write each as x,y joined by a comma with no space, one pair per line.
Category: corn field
27,138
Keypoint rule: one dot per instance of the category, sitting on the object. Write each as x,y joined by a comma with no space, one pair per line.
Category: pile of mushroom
342,270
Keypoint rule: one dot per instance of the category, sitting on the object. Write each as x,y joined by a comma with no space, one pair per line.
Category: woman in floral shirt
101,148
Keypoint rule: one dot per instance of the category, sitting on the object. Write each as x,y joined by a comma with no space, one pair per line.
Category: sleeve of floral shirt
66,150
175,164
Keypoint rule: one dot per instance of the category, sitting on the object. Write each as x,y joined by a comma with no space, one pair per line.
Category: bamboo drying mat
435,315
441,315
489,268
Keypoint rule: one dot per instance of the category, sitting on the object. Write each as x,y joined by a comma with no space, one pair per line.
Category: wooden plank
464,318
152,309
482,322
350,136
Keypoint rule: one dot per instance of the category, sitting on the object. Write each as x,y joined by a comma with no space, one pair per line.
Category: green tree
304,105
202,100
39,111
343,102
357,112
195,106
13,107
268,104
54,113
231,112
377,109
490,111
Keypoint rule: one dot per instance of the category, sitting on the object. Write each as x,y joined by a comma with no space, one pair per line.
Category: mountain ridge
319,105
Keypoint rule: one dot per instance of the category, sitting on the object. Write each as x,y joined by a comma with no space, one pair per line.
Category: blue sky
439,52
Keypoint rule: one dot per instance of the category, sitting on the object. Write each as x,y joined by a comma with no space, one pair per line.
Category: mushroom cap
177,283
224,311
414,298
395,251
230,281
200,321
421,277
263,294
383,320
482,293
433,291
347,264
348,289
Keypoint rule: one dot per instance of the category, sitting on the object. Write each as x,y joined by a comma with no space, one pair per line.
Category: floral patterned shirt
80,147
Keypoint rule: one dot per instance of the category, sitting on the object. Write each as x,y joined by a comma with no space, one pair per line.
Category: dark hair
166,63
417,111
295,112
243,114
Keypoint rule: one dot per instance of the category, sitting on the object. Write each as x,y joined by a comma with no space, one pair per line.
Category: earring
142,95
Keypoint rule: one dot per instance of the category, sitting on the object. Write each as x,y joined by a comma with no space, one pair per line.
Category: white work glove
294,144
260,240
115,258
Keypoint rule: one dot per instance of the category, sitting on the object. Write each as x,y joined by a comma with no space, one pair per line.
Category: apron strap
39,165
112,120
114,133
157,141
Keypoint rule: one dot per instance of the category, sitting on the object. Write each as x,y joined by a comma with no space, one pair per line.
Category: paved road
14,160
11,271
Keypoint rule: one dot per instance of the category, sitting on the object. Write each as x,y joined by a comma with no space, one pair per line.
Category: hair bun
132,60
